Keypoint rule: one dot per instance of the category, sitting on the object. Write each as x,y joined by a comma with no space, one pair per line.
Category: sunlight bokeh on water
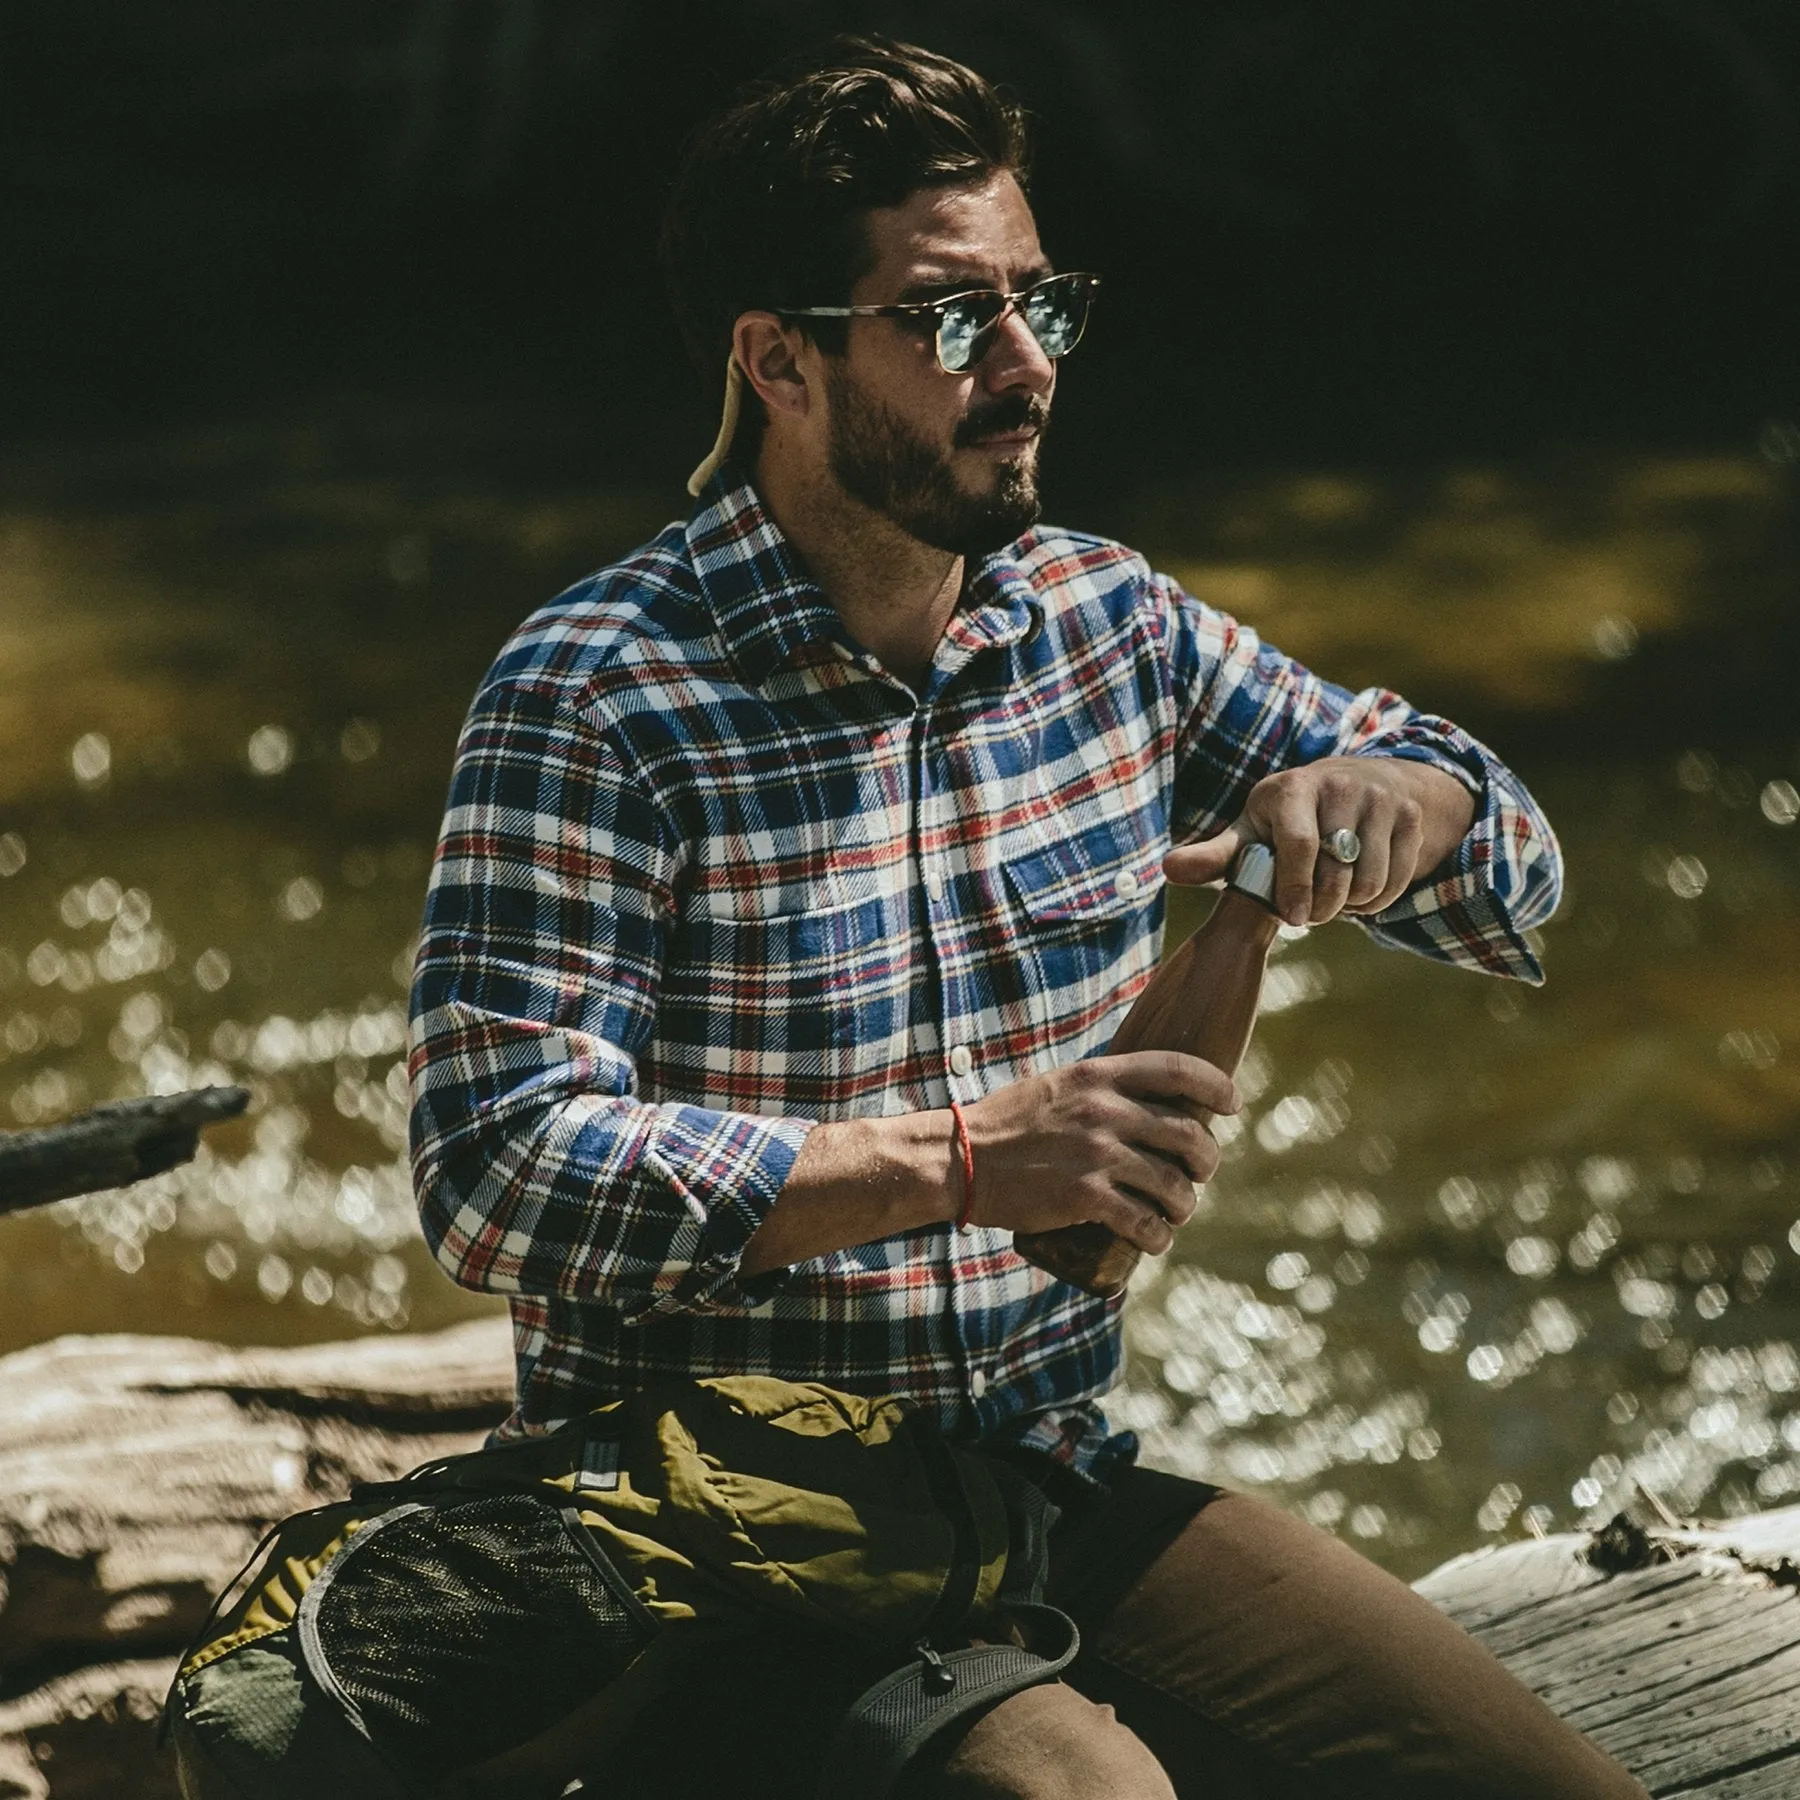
1480,1256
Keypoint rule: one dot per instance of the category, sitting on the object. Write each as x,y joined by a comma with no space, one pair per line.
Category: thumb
1190,865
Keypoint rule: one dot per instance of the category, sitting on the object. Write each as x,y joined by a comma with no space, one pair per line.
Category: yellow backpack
515,1608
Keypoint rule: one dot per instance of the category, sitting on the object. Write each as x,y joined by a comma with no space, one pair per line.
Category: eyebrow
935,287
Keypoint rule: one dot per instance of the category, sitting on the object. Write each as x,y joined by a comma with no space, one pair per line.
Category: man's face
951,459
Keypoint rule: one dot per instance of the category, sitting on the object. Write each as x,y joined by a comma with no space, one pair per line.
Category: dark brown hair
766,206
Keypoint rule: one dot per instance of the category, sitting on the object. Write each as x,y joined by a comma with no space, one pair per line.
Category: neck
894,594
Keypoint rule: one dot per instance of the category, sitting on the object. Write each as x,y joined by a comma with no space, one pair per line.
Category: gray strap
891,1723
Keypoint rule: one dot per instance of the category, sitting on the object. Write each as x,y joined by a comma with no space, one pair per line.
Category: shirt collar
1000,608
765,604
768,608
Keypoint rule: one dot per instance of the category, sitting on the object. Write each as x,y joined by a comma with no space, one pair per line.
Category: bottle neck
1253,873
1249,915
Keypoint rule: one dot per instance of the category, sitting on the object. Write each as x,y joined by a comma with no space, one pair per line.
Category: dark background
1377,229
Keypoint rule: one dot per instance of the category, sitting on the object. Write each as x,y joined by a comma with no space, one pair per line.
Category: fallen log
136,1474
112,1146
1675,1647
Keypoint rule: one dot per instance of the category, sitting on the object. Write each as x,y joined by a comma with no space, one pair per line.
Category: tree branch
112,1146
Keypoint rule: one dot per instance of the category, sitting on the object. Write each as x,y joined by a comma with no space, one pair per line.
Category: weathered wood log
1677,1649
112,1146
136,1474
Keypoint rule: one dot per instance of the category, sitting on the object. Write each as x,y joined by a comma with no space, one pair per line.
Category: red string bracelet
967,1153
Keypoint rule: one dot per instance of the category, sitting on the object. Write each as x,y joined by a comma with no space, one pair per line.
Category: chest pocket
1088,911
1107,870
799,966
790,1002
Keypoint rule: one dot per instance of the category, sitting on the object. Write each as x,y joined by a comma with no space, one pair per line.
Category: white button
934,880
962,1060
978,1383
1128,884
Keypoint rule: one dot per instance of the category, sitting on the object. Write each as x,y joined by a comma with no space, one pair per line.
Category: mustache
1012,412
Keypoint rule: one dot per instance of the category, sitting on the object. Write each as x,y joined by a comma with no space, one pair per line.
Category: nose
1015,359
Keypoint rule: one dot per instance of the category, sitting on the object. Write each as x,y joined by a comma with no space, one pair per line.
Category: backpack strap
1030,1515
895,1719
962,1578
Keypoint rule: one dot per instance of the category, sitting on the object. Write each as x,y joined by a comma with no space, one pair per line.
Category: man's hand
1112,1140
1409,816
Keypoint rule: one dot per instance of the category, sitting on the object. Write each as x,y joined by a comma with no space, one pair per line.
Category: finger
1134,1215
1332,881
1404,850
1174,1076
1291,825
1375,829
1180,1139
1192,865
1164,1183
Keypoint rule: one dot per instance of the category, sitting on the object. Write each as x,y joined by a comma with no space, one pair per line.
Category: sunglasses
964,325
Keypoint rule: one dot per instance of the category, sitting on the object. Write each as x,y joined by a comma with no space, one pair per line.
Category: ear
769,354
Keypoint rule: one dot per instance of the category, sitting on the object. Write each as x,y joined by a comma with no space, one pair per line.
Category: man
848,800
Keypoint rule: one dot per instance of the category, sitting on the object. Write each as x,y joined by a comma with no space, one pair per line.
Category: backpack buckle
938,1677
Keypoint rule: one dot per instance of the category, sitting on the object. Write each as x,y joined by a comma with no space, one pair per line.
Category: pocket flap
1103,870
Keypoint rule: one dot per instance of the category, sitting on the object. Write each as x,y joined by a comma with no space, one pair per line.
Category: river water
1481,1260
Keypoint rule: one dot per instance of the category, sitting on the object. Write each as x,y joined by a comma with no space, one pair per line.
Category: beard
882,461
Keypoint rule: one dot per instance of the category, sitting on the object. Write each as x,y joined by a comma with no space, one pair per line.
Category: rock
136,1476
89,1735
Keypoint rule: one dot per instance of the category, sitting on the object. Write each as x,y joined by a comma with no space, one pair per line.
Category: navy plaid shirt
710,875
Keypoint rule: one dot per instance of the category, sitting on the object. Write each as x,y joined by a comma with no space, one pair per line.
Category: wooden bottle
1201,1001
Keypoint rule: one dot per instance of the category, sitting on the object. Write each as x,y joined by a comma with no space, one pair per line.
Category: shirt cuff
1476,907
725,1171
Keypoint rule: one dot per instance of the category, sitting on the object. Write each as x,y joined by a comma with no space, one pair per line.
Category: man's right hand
1114,1141
1117,1141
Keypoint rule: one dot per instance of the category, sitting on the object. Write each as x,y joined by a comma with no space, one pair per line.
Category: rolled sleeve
1502,881
1248,711
539,1168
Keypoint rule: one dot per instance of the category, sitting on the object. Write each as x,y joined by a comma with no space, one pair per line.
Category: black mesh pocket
452,1632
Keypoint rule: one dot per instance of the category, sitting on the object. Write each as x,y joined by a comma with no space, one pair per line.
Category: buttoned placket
947,889
933,829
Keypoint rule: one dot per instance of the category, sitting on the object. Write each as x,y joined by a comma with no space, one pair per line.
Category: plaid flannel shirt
710,875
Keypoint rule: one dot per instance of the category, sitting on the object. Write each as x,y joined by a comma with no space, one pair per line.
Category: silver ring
1342,845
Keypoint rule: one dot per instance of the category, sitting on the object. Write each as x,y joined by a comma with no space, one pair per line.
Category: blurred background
1452,346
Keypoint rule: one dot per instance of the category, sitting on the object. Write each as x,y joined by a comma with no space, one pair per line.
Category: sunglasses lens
965,329
1056,311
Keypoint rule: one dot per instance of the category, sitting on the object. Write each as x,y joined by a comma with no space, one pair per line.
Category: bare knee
1051,1743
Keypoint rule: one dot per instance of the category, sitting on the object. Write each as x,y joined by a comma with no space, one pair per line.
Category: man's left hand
1408,815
